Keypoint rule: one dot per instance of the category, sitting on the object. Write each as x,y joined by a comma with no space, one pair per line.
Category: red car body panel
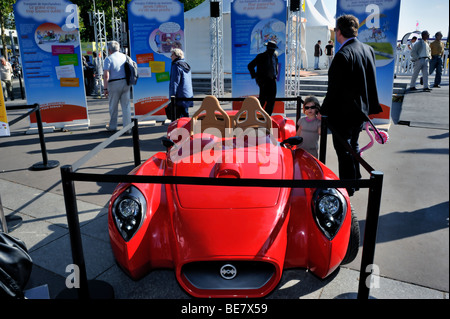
189,225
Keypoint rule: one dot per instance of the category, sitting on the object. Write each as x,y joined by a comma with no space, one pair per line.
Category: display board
378,27
156,26
254,23
49,43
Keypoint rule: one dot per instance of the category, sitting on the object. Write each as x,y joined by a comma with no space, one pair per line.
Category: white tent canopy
197,37
317,28
320,6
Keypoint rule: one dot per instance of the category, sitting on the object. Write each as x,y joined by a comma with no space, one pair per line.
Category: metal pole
45,164
20,83
93,289
323,139
74,229
370,234
298,111
41,134
174,109
136,147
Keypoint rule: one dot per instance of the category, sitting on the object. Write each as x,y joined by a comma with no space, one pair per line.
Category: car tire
353,244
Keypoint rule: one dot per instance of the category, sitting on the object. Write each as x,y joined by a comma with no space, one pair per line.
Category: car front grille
228,274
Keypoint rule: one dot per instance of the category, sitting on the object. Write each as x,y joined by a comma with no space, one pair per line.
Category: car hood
250,163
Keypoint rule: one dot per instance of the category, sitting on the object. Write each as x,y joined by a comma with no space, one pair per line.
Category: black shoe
412,88
427,90
436,86
421,80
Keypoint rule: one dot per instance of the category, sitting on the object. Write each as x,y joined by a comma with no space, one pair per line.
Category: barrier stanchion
370,234
298,111
93,289
173,108
136,146
45,164
323,139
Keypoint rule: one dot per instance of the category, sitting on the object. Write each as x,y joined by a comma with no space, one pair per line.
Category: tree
85,7
6,22
120,11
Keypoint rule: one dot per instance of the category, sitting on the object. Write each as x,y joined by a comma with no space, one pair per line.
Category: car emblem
228,271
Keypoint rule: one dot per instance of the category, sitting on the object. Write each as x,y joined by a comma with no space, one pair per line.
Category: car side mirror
167,142
292,141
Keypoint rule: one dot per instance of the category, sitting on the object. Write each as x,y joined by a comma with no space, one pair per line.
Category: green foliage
84,8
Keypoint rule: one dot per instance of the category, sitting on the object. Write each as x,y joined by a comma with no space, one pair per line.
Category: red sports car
232,241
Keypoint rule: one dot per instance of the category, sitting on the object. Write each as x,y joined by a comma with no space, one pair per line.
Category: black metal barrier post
136,146
323,139
298,111
21,85
93,289
370,234
45,164
173,108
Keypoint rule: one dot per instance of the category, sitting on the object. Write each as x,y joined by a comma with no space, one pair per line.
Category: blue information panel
156,26
49,42
254,23
378,28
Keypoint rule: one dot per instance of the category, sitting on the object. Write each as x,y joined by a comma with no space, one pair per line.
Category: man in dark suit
352,94
266,73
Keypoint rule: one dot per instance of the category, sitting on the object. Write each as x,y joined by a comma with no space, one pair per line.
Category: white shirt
114,64
421,50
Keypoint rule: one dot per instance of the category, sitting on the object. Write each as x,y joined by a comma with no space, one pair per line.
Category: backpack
131,71
15,267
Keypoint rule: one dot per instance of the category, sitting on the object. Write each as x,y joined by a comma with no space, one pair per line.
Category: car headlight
329,208
128,211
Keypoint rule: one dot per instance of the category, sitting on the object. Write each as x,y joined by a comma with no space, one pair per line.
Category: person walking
351,96
437,52
329,52
6,76
421,55
317,54
266,74
180,84
98,75
115,86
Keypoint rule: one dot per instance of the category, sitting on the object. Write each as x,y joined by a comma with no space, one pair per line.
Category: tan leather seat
252,115
211,117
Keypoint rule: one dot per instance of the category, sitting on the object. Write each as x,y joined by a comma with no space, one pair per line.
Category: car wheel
353,244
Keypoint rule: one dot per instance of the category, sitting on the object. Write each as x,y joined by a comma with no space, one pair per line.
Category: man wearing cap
421,55
266,73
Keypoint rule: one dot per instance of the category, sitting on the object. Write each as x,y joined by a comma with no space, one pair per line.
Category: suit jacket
352,88
266,66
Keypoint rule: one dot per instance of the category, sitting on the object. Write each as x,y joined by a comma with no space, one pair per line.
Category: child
309,126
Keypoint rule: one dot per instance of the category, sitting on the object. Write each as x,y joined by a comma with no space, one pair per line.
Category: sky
432,15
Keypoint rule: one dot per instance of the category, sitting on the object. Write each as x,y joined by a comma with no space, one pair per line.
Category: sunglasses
309,107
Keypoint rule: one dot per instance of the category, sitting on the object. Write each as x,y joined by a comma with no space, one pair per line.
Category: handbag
15,267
